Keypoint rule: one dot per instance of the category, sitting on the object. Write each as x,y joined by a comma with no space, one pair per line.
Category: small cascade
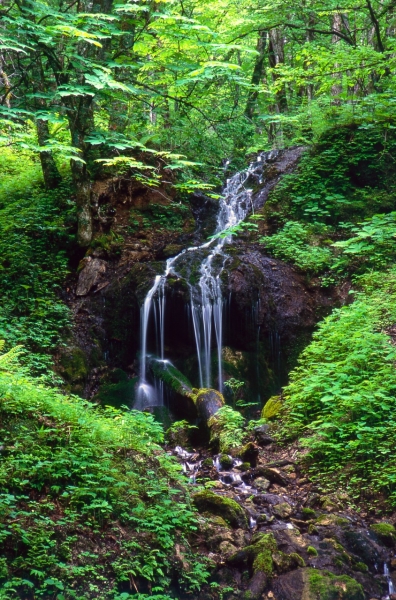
205,296
190,463
391,587
232,476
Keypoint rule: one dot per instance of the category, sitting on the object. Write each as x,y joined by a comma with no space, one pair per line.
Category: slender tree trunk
257,74
80,124
52,177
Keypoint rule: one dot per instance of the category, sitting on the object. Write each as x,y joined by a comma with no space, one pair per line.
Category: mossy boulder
224,507
225,462
386,533
208,402
172,377
271,408
323,585
311,551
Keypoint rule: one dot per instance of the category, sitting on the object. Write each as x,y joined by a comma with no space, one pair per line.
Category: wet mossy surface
221,506
324,585
386,533
271,408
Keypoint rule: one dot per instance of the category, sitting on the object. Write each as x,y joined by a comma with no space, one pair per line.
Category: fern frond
9,360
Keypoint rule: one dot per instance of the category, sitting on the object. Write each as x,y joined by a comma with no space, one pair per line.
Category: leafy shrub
372,245
342,395
227,426
294,243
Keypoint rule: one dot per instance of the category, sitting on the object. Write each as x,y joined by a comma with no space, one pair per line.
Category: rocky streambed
271,533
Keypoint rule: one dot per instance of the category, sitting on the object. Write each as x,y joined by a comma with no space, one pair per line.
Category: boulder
312,584
231,511
208,403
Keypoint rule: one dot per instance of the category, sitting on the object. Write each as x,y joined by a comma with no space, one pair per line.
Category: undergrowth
90,505
341,399
35,227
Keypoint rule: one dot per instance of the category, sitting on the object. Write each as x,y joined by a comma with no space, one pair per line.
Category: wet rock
385,532
225,461
256,586
90,275
261,434
282,510
208,403
272,474
227,508
362,544
312,584
248,453
286,304
227,547
262,484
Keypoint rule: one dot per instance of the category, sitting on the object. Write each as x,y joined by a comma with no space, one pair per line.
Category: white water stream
206,298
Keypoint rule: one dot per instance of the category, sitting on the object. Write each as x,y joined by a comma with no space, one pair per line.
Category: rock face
90,275
279,295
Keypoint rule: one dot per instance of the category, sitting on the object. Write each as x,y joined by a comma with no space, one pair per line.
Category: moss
172,377
286,562
263,562
326,520
324,585
308,513
361,567
386,532
74,365
272,408
227,508
312,551
225,461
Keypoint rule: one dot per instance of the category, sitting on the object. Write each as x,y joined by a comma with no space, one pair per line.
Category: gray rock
90,275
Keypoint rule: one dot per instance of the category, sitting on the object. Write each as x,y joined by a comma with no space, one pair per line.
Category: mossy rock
323,585
208,402
308,514
224,507
386,533
361,567
225,461
172,377
272,408
311,551
286,562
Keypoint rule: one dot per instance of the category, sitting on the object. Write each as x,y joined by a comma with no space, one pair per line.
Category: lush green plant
34,237
228,427
295,243
234,385
90,506
342,396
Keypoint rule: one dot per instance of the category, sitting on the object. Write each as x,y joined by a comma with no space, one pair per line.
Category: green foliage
34,236
229,428
234,385
372,245
90,506
342,395
272,408
295,243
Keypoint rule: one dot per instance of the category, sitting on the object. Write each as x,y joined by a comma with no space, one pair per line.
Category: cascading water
205,297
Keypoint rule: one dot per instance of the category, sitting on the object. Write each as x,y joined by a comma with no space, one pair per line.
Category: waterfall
206,296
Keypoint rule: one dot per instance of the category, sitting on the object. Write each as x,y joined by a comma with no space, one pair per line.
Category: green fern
9,360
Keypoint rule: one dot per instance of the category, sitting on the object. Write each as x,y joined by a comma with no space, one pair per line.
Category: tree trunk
257,74
52,177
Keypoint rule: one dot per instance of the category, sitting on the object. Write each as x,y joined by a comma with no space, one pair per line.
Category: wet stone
262,484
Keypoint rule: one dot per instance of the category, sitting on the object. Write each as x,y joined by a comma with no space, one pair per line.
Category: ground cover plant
90,505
